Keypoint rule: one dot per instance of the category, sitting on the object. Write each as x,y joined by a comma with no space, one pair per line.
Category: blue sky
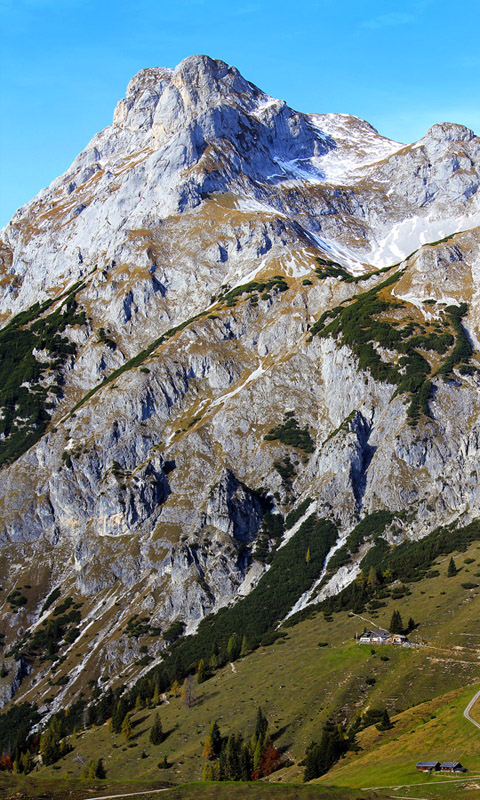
64,64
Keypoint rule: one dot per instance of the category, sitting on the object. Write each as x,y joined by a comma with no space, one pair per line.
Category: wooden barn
428,766
451,766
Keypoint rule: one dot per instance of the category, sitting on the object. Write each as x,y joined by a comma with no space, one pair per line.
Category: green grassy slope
299,684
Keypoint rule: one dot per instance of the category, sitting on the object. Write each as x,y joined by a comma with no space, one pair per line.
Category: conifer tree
50,749
127,730
201,671
232,647
208,751
156,736
261,726
90,769
320,757
257,757
452,569
245,763
156,696
244,648
385,723
208,772
232,757
396,624
118,716
372,580
216,738
100,770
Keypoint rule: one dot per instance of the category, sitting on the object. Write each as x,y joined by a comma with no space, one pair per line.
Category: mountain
236,338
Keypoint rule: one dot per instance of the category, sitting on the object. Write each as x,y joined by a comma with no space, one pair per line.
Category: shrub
290,434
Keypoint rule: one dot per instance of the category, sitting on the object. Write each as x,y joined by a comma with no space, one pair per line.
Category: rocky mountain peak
196,84
449,132
206,74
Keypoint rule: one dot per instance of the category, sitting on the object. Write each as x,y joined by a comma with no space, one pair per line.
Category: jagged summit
196,83
450,132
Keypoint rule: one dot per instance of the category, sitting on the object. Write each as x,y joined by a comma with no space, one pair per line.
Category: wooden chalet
428,766
451,766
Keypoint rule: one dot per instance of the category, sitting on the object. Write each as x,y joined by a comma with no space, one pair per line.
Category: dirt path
417,785
469,707
129,794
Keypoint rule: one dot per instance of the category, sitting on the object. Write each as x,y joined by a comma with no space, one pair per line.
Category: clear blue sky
64,64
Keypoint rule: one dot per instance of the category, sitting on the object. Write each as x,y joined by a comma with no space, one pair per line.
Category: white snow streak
407,236
252,377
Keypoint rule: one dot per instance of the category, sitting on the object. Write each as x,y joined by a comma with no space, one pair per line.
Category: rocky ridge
182,265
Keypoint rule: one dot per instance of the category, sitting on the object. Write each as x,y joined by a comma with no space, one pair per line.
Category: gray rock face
195,224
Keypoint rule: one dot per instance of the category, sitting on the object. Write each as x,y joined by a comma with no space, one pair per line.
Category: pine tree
232,757
89,771
156,696
388,575
396,624
232,647
208,751
257,757
201,671
451,570
244,650
175,688
208,772
216,738
372,580
100,770
411,625
245,763
320,757
127,730
50,749
385,723
118,716
261,726
307,556
156,732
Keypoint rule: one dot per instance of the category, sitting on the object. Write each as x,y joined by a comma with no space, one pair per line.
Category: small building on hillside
396,638
373,637
452,766
428,766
